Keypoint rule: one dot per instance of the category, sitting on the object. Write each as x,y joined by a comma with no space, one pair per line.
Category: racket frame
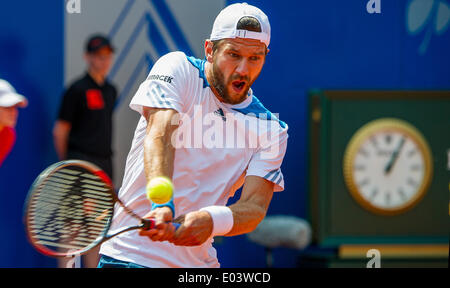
145,224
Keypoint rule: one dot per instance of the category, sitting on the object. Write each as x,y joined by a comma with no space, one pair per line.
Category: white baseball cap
225,25
9,97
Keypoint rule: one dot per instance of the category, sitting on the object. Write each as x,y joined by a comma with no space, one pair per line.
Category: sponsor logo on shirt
220,113
94,99
164,78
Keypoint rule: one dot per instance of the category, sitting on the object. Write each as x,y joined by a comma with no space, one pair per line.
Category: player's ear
209,51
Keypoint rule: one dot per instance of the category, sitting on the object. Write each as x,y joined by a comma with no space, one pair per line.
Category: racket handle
148,224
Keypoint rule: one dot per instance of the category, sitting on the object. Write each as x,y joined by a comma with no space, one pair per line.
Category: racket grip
147,224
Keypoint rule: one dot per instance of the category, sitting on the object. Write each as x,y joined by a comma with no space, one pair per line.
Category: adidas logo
220,113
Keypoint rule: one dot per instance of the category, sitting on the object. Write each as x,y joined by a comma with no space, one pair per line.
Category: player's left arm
252,207
259,187
247,213
263,178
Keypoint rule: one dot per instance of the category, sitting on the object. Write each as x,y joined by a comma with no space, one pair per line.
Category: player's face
101,61
8,116
236,64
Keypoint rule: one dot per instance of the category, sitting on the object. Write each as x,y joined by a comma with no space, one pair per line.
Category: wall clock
387,166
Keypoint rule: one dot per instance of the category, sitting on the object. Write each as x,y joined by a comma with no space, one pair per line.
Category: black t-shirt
89,108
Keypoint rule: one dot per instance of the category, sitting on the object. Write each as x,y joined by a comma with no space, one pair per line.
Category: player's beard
221,86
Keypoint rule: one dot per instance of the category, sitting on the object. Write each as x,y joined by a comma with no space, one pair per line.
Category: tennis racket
69,209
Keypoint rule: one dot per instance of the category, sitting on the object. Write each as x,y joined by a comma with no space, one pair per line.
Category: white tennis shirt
218,145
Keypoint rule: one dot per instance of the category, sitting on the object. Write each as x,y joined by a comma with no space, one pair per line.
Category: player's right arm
159,154
159,99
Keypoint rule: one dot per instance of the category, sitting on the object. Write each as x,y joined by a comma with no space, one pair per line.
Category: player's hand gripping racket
69,209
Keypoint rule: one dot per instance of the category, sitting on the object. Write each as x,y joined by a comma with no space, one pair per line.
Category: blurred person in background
10,101
83,129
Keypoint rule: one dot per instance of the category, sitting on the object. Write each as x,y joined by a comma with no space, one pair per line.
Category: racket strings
70,211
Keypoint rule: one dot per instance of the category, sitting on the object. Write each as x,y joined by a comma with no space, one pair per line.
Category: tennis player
202,127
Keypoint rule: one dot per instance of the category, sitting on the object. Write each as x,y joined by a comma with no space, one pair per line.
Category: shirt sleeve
267,160
69,104
165,85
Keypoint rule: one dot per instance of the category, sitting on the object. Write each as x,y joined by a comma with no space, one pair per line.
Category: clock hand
394,157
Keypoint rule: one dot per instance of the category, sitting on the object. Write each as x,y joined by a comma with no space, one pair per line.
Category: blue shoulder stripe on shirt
257,109
275,176
200,65
270,174
279,180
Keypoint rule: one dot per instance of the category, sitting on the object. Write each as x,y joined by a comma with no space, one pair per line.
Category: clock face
387,166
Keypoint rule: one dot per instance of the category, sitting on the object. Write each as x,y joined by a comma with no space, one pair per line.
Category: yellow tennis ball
160,190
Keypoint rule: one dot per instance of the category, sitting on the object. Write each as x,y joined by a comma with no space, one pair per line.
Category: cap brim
13,99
